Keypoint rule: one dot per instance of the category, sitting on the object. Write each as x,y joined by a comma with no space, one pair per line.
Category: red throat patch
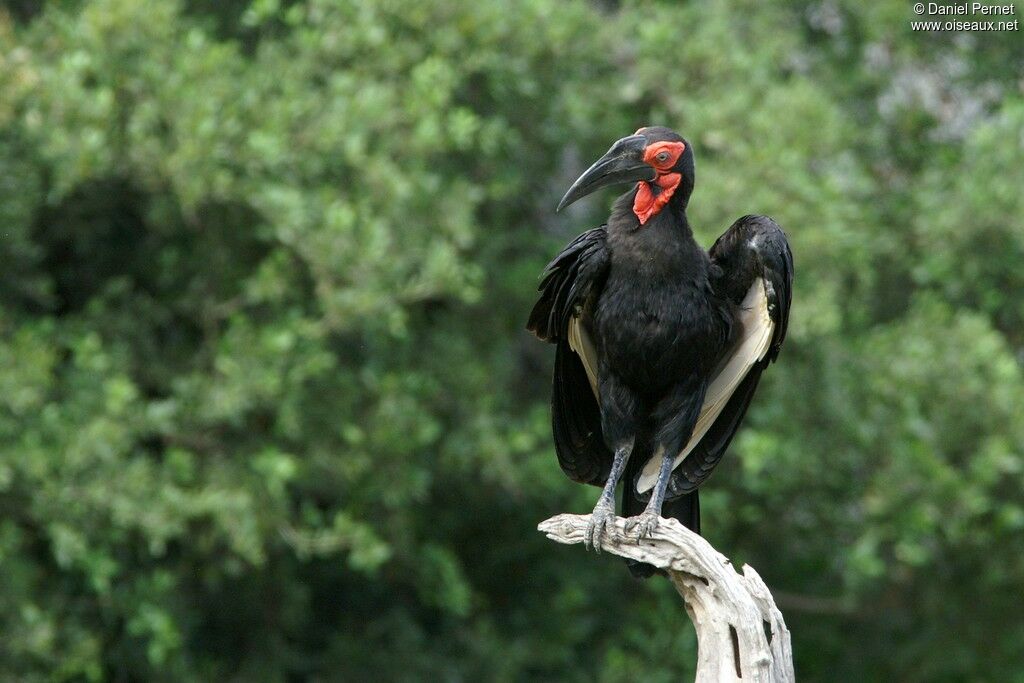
646,203
662,157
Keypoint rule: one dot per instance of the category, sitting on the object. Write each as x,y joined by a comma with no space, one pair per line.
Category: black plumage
659,344
569,288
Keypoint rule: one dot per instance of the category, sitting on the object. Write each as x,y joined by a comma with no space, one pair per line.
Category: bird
659,343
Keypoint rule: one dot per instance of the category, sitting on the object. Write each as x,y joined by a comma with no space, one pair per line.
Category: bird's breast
654,334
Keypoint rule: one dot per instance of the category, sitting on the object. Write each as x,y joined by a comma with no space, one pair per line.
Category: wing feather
581,343
569,286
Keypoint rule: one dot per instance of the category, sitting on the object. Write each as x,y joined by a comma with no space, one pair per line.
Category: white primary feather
751,348
579,341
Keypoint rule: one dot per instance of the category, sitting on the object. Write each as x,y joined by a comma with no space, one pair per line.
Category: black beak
623,163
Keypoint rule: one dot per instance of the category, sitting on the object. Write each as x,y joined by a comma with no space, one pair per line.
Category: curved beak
623,163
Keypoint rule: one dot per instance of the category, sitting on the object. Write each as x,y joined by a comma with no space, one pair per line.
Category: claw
601,520
645,523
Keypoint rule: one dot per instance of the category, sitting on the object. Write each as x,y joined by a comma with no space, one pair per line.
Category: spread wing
753,268
569,286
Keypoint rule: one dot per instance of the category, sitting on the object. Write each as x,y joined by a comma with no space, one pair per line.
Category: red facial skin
661,156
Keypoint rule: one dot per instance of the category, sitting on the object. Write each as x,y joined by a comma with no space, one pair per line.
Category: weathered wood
733,613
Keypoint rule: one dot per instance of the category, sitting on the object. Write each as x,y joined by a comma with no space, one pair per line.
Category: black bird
659,344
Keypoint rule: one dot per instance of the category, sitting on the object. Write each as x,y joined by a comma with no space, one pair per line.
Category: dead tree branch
741,635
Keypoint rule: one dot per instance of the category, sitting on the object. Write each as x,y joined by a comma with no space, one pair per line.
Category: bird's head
658,159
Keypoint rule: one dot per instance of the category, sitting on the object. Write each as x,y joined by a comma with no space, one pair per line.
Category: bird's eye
662,157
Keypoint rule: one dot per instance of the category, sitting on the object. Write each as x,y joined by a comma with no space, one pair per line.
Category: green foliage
267,409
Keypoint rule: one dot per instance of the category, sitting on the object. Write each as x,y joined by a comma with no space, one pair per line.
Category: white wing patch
580,342
751,348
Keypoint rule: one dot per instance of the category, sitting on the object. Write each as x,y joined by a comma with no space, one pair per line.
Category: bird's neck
668,215
661,250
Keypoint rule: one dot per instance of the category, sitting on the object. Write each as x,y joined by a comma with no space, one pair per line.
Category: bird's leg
619,406
603,517
675,416
647,521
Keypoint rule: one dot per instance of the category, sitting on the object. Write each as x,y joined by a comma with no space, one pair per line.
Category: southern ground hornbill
659,344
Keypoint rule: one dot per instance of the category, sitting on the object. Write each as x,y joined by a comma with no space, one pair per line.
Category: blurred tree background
267,408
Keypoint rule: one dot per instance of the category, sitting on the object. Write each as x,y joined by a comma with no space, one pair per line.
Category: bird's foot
602,520
645,523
